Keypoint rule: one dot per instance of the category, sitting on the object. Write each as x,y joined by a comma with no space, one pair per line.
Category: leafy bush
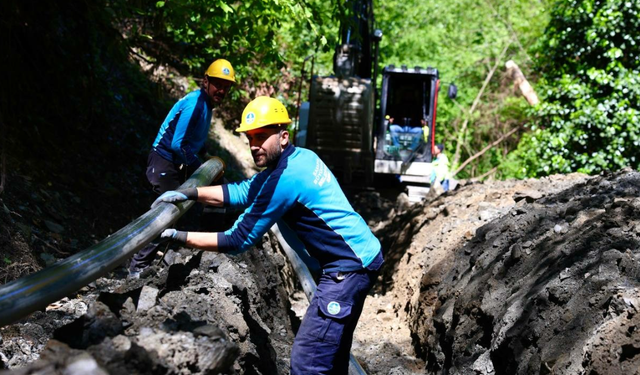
589,118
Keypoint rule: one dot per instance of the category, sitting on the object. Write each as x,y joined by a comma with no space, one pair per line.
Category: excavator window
407,105
406,102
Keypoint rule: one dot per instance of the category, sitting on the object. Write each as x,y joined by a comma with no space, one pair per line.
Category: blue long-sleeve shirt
185,129
302,193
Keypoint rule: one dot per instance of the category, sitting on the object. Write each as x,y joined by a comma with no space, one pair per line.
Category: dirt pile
196,313
549,287
513,277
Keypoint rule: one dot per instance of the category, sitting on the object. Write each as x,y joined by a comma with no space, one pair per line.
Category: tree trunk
519,80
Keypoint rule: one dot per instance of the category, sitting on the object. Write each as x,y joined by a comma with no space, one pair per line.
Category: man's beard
217,98
269,158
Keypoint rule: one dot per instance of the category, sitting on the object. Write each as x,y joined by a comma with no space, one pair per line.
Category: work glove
172,235
176,196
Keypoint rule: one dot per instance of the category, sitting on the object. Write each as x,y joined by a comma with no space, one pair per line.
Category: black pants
164,176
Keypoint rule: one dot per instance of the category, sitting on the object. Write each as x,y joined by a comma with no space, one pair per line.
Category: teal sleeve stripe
243,192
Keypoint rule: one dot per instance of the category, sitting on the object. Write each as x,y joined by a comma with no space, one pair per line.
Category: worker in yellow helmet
182,135
297,191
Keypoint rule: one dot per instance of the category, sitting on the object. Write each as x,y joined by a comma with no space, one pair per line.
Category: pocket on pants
335,314
162,175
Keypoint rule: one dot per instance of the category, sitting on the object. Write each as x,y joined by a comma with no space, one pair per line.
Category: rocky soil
513,277
550,286
500,277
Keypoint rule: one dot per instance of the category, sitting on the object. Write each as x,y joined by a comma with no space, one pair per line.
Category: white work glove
176,196
172,235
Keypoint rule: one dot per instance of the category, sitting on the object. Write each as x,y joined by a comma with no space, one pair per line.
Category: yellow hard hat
263,111
222,69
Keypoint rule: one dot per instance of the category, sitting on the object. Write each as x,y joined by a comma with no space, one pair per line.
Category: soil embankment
513,277
551,286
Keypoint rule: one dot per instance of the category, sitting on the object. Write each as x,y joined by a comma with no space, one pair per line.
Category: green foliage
265,40
190,34
589,120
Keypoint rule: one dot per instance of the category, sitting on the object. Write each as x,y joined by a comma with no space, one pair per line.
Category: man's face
266,145
217,88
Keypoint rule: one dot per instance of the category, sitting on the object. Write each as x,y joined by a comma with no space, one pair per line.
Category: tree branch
477,155
486,174
519,80
140,56
463,130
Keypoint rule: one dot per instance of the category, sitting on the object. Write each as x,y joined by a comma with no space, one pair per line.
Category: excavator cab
406,128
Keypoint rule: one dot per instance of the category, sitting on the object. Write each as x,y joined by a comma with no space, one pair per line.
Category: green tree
263,39
185,34
588,120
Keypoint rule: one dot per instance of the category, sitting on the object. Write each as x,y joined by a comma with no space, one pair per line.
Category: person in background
425,130
182,135
440,172
299,193
415,131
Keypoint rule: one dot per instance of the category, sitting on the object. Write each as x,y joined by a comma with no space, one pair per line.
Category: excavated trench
550,287
521,277
512,277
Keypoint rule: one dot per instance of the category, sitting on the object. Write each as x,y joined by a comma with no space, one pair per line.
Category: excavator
361,133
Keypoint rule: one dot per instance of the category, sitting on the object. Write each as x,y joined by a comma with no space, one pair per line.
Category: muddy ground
500,277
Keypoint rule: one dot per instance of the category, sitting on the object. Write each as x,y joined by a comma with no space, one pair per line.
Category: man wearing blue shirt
174,153
298,192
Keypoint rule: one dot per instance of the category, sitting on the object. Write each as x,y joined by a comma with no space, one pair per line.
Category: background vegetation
87,83
469,42
590,81
92,65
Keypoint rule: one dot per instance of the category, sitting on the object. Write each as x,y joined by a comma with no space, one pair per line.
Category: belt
340,275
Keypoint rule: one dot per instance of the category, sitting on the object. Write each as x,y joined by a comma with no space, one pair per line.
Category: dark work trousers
323,342
164,176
